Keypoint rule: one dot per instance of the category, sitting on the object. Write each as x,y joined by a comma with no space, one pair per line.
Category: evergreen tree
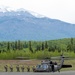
30,48
46,45
12,46
49,49
72,44
38,48
16,45
69,47
25,45
8,46
72,41
74,48
19,45
42,46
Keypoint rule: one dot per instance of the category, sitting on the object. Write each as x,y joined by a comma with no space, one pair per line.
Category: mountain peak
31,12
4,9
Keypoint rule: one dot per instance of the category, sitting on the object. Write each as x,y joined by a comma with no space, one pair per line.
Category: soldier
33,68
18,69
6,68
22,68
55,63
11,68
28,69
52,67
51,62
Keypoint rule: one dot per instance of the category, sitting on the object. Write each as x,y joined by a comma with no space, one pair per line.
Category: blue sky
57,9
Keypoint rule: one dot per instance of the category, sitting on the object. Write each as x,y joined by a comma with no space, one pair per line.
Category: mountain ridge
22,25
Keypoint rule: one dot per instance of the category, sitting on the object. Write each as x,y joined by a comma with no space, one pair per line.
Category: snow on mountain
5,9
36,14
21,24
8,9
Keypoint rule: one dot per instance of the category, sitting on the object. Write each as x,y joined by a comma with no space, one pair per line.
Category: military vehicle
49,66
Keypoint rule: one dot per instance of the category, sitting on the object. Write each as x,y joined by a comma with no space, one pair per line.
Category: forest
37,49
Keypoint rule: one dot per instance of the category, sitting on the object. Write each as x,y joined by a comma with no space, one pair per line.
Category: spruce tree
8,46
42,46
30,48
46,45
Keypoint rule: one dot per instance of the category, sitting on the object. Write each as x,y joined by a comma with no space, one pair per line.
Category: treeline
61,45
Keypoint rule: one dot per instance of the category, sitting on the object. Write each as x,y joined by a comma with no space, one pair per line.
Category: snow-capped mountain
25,25
6,9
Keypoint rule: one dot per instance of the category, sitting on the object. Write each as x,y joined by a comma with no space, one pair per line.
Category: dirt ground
14,63
20,62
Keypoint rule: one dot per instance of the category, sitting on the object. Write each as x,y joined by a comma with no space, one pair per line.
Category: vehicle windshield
44,66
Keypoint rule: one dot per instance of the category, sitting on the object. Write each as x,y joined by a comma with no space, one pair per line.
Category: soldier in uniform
6,68
11,68
33,68
22,68
18,69
28,69
52,67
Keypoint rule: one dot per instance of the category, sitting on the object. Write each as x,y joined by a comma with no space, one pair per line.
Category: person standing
18,68
6,68
11,68
33,68
22,68
28,69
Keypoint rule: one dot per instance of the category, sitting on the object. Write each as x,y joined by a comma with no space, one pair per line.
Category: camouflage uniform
28,69
22,68
6,68
18,69
11,68
33,68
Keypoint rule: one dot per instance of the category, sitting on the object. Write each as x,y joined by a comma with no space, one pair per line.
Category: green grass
35,55
69,62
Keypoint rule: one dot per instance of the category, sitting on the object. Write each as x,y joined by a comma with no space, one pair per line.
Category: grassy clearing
70,62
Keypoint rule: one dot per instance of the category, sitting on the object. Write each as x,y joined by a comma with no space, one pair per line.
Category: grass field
71,62
31,63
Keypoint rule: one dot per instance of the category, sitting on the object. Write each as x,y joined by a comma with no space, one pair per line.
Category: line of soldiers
18,68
